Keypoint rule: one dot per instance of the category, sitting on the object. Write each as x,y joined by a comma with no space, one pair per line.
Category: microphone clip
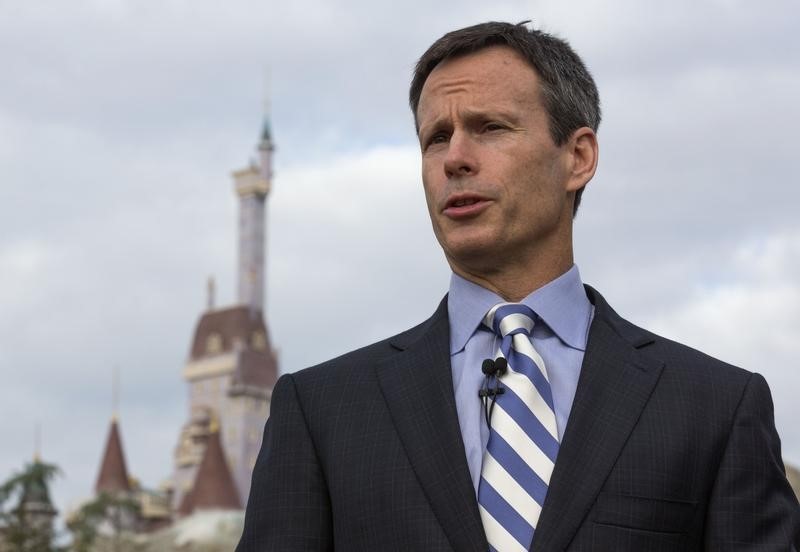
488,393
491,392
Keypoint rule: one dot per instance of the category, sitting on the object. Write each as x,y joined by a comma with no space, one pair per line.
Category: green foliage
110,511
35,477
27,526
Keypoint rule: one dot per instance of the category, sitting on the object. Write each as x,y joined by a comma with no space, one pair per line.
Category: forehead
492,75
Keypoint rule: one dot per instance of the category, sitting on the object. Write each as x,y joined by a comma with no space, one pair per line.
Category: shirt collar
561,303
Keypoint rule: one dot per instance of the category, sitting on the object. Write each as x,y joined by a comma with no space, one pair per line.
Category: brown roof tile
113,476
213,485
240,325
256,368
232,324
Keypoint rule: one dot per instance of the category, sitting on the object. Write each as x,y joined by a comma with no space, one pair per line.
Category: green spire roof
266,131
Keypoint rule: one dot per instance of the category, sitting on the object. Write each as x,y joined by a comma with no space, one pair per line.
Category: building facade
232,365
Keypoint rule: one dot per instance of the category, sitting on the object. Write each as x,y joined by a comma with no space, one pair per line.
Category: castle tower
252,185
113,475
214,488
232,366
36,508
114,480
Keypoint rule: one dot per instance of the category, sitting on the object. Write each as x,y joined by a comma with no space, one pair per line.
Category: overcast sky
121,121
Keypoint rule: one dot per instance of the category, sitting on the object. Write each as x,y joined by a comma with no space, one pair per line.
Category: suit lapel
418,388
615,384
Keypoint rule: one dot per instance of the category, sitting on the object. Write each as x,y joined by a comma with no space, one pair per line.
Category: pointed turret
265,146
213,488
113,476
266,133
265,149
34,514
212,287
252,185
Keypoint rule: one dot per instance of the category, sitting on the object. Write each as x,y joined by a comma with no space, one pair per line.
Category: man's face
497,186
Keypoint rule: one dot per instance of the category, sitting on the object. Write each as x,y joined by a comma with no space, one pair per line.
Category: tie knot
510,318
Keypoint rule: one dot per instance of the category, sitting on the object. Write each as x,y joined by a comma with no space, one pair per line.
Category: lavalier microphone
492,369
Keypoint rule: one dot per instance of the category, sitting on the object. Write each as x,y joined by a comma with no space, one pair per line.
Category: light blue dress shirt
561,341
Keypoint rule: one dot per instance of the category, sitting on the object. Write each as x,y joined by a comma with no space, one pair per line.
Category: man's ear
583,154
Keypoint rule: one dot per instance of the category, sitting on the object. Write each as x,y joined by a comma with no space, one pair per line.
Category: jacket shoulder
678,358
349,364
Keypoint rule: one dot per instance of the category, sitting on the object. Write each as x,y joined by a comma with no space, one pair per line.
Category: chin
475,254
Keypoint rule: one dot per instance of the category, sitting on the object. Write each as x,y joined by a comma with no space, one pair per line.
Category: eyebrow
433,127
470,116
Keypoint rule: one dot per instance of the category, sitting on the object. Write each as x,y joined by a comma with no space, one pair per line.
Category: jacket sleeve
752,505
289,507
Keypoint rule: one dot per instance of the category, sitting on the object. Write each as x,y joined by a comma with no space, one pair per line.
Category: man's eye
489,127
439,138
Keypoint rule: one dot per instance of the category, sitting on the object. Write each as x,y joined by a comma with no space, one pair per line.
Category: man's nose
461,159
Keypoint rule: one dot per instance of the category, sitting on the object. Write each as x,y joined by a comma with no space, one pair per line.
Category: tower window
214,343
258,341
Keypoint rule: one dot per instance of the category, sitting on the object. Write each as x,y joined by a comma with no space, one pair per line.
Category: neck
514,283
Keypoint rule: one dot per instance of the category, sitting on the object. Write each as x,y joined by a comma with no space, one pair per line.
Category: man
590,433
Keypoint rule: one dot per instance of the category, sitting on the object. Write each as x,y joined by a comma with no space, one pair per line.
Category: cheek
542,178
431,186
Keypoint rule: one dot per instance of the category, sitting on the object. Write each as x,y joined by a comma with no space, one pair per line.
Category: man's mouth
465,206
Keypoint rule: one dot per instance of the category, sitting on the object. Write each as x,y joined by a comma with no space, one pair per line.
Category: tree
28,526
107,513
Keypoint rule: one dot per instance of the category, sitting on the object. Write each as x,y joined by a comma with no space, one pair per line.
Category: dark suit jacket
665,449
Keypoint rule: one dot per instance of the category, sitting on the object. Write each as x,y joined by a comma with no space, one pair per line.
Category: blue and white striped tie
523,440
